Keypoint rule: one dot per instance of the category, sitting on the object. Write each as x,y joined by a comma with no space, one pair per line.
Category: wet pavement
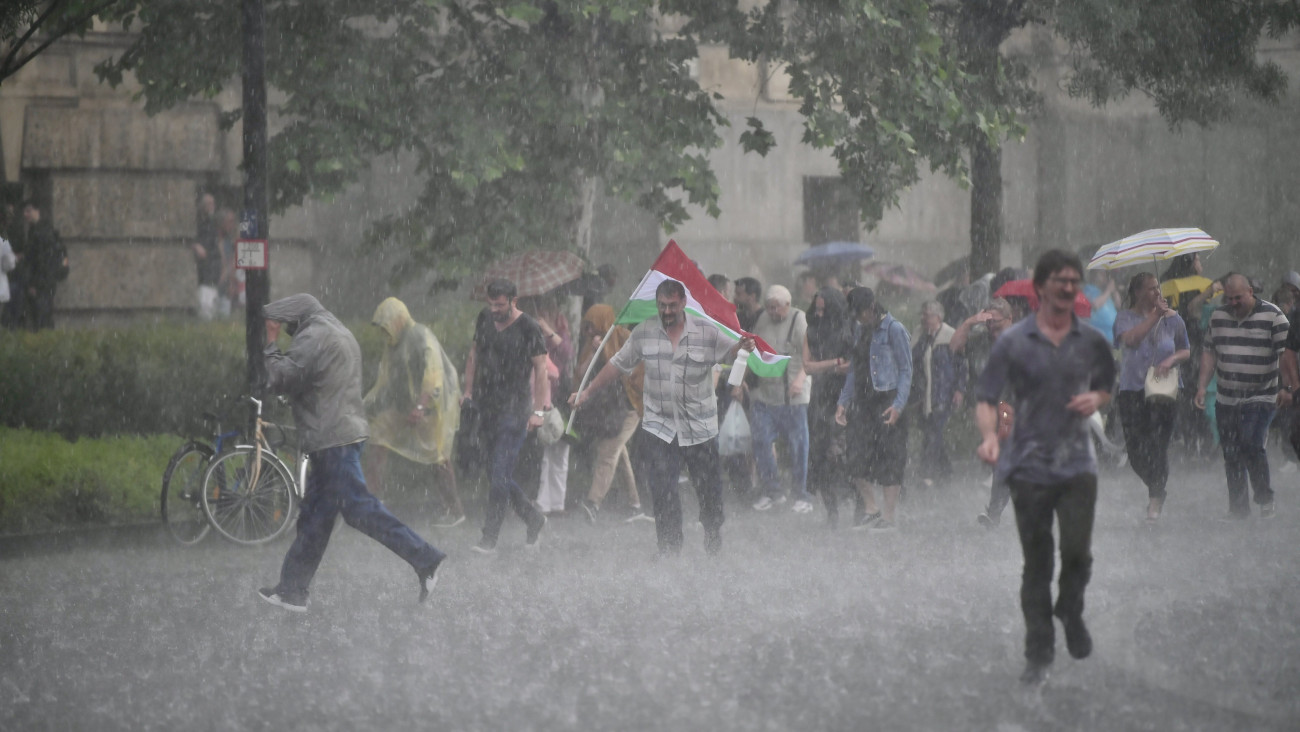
792,627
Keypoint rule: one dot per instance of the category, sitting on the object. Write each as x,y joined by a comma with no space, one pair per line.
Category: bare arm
471,363
607,374
1132,337
986,417
1208,361
541,384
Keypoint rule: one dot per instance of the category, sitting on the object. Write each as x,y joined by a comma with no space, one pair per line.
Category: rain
412,183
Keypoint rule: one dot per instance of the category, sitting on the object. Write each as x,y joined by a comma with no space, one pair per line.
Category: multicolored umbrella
535,272
1151,245
834,253
1025,289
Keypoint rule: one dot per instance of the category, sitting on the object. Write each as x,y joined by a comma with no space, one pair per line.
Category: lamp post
255,223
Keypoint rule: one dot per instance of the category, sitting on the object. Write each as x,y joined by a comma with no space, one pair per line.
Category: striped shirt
679,400
1246,353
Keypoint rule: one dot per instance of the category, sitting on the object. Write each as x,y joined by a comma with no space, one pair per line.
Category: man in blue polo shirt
1059,371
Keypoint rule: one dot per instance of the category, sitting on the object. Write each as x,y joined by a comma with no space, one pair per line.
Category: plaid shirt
679,400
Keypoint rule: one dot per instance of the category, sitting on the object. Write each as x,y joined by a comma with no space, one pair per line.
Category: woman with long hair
1151,336
610,418
827,348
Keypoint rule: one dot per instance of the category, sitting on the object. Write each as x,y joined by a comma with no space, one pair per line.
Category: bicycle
249,495
182,485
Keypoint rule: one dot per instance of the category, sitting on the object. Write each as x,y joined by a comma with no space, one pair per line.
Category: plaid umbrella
900,275
534,272
1151,245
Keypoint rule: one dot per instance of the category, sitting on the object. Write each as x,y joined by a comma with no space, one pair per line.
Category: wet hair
861,299
608,272
750,286
502,287
719,281
670,288
932,307
1053,261
1000,306
1184,265
1135,284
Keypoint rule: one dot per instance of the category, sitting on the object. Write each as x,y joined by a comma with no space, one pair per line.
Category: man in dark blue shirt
1059,371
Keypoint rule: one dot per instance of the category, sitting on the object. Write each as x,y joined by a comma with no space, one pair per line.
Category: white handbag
1162,388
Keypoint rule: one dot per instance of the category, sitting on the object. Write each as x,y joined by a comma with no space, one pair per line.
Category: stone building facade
121,187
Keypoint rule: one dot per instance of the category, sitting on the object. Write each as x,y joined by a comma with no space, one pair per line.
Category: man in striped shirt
1245,339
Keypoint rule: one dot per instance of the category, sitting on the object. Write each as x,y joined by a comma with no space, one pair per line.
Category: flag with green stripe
701,301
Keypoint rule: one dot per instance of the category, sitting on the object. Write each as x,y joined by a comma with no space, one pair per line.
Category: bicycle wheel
182,493
244,513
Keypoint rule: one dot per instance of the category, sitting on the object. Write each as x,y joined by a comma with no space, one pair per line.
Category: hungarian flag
702,301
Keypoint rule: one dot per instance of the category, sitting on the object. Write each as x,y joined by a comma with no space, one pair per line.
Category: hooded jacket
320,373
413,366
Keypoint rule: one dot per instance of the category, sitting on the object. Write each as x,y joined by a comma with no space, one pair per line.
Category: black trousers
1148,426
1073,502
664,463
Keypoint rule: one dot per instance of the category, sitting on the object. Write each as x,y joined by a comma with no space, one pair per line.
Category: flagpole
591,365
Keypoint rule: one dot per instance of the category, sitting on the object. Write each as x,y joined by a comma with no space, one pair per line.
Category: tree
1191,57
887,83
880,86
28,27
513,111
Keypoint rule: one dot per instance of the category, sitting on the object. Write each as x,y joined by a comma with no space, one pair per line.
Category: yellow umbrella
1174,289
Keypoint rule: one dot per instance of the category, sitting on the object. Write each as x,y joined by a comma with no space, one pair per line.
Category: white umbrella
1151,245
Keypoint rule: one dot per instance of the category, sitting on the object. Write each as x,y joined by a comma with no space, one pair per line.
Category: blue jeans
1243,429
766,423
335,485
504,434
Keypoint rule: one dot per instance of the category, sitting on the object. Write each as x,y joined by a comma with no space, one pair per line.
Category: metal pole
587,376
257,284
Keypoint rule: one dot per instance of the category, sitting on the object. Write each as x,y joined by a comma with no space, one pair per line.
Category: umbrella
1025,289
834,253
1173,289
1151,245
952,270
900,275
534,272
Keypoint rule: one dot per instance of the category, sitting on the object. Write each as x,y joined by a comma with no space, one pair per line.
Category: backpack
60,257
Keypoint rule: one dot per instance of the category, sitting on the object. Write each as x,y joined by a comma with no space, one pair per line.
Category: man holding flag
695,329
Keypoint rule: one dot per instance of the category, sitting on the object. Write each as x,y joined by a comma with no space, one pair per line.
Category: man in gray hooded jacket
321,374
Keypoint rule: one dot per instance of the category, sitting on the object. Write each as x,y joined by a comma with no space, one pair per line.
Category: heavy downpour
699,364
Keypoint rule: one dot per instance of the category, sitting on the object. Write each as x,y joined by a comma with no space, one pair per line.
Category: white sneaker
802,506
763,504
638,515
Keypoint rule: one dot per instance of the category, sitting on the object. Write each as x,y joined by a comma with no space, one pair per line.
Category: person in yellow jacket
414,407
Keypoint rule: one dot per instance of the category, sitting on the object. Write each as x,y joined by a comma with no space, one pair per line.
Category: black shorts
877,452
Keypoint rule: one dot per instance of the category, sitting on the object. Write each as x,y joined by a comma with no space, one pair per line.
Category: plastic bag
733,435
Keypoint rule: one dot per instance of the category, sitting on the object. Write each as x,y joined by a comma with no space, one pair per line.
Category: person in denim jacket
871,405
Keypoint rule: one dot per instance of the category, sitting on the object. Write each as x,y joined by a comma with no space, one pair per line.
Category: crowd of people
650,401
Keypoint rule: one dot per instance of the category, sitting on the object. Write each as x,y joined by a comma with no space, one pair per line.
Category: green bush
157,378
49,482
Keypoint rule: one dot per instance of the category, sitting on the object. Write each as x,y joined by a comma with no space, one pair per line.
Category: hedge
156,378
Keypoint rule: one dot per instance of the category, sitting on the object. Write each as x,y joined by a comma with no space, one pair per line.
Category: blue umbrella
835,252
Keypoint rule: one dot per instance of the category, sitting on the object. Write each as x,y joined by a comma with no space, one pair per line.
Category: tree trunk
985,207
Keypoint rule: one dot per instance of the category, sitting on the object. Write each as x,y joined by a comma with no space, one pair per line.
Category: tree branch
9,67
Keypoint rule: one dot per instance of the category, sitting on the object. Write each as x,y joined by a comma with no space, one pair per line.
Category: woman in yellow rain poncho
414,406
